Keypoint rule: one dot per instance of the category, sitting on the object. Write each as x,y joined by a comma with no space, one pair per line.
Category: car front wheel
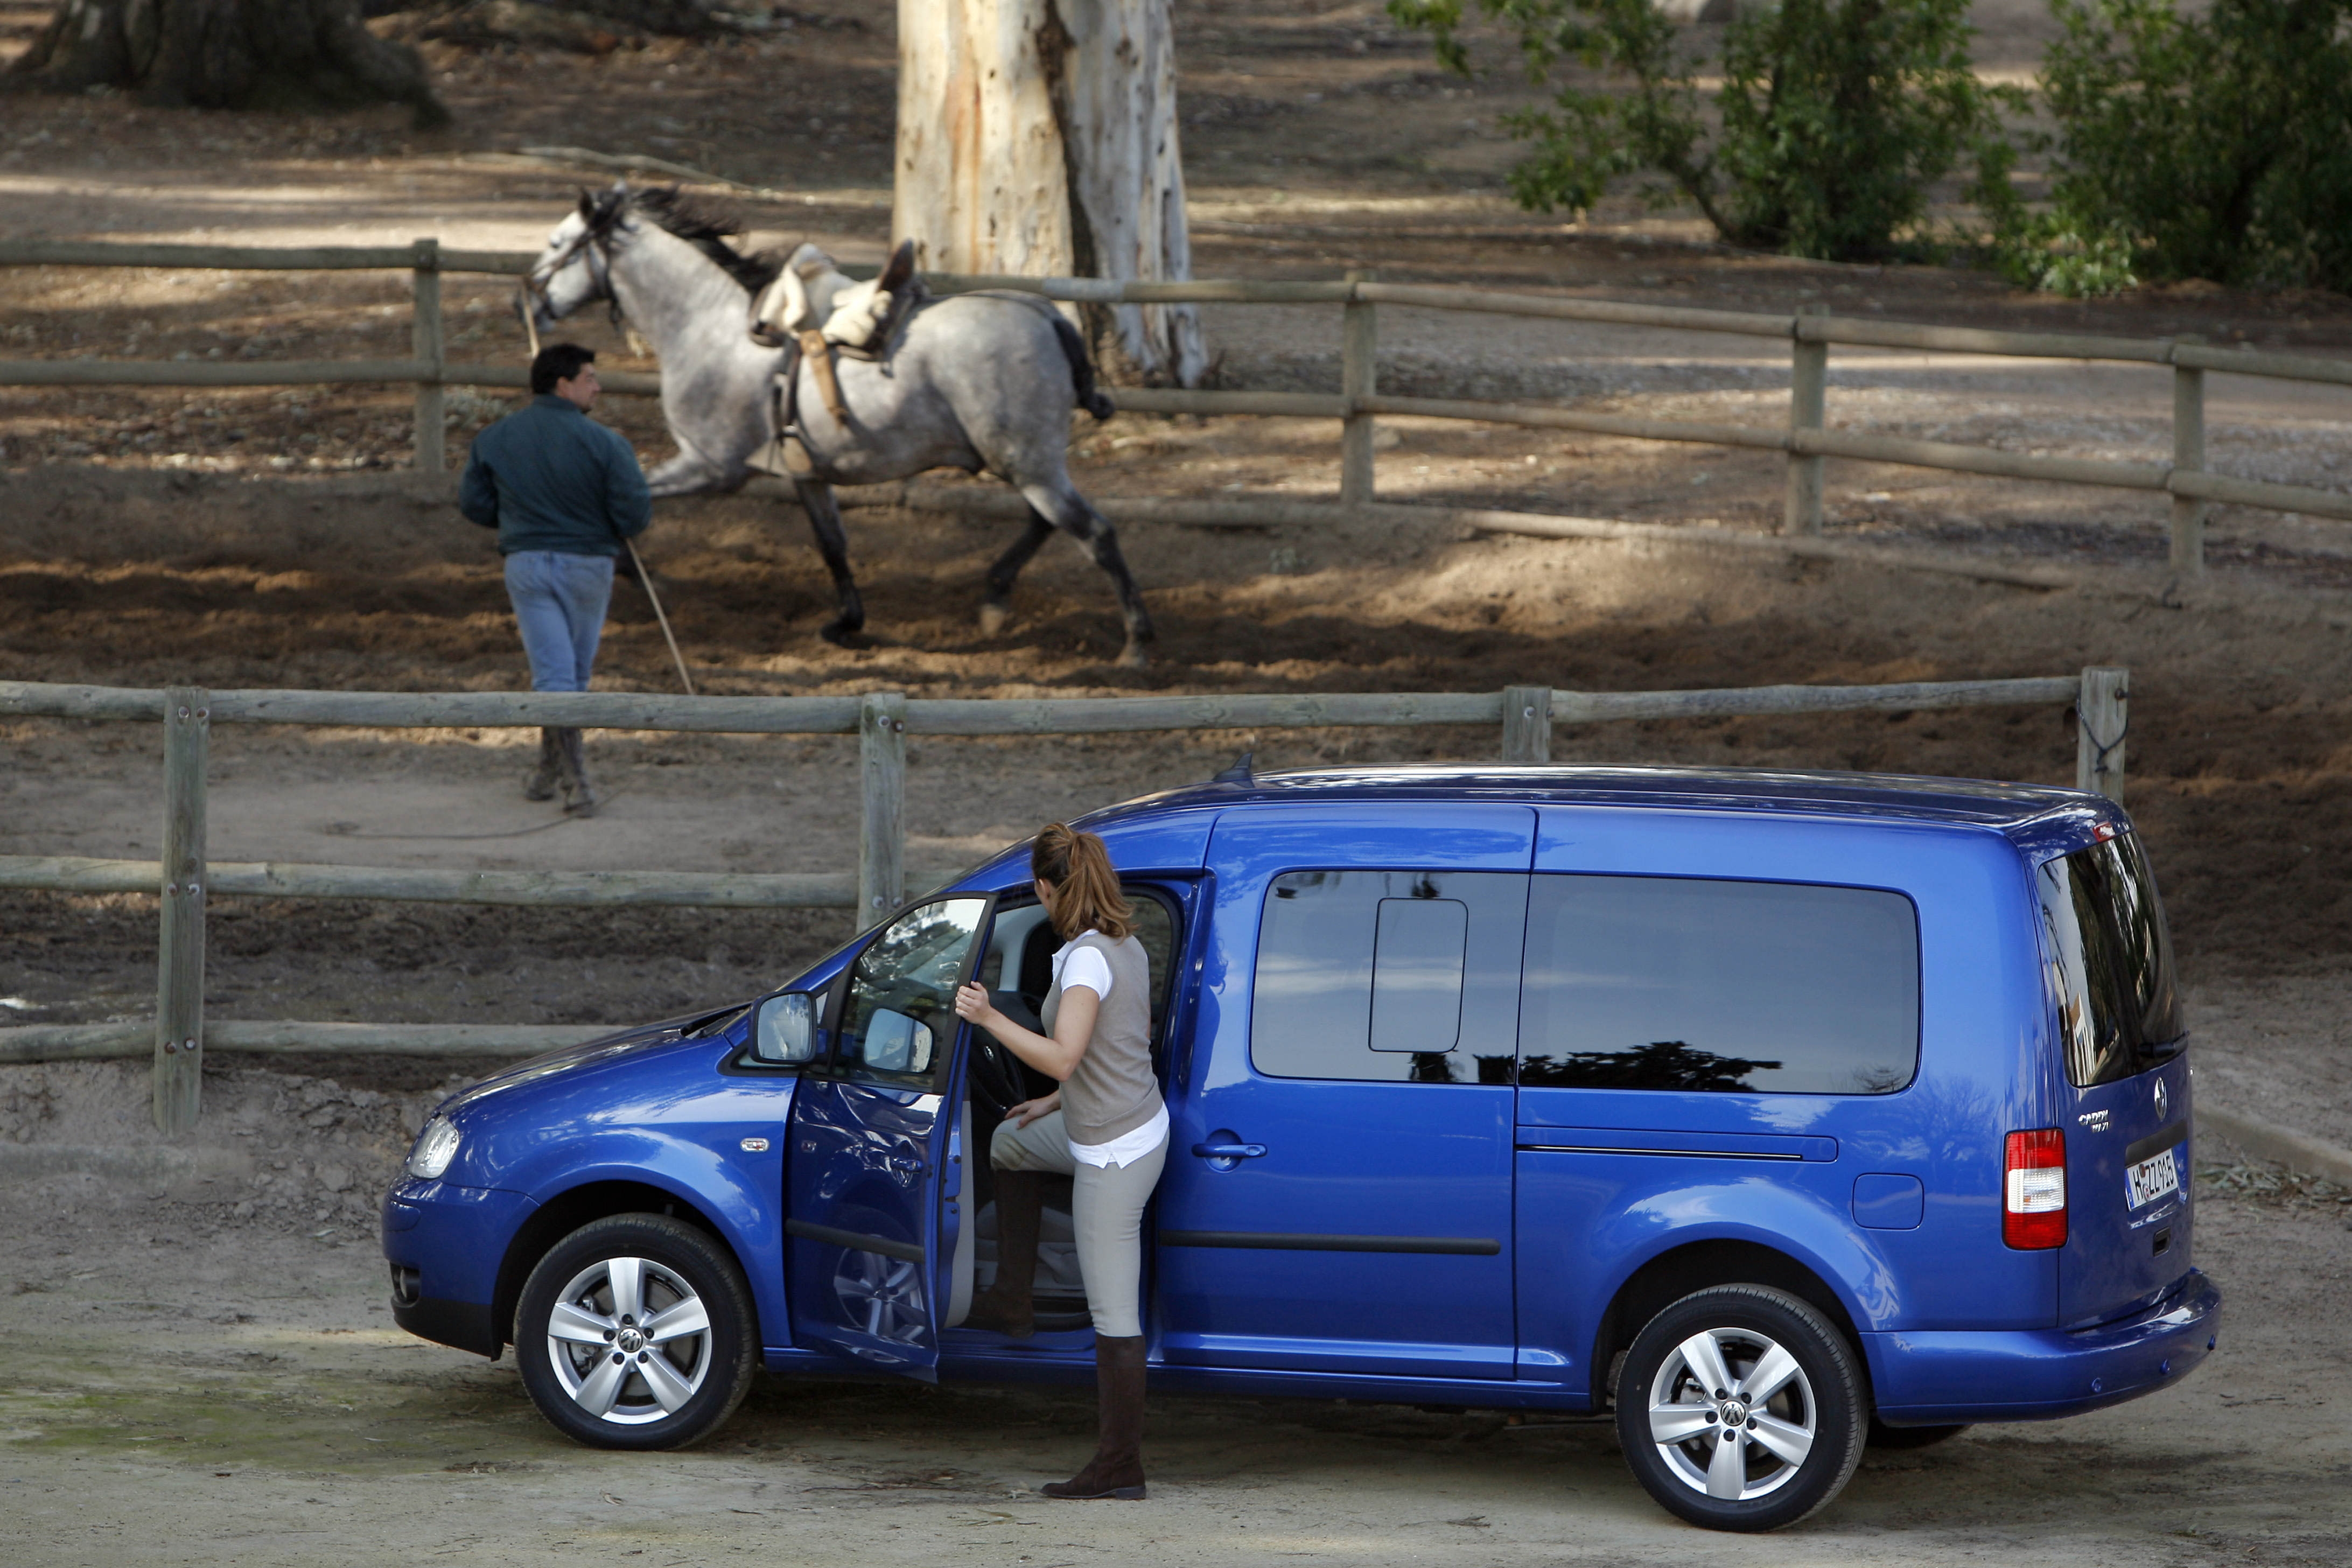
1742,1407
636,1331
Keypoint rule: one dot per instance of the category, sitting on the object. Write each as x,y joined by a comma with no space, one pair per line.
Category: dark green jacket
550,478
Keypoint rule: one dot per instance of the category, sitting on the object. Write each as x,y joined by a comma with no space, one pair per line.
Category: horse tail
1082,369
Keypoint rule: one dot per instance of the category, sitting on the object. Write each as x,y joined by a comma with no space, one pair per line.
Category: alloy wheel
630,1340
1732,1414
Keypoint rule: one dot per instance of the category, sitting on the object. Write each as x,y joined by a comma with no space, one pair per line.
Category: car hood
588,1056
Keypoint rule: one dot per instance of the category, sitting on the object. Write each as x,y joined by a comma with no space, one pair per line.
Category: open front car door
873,1184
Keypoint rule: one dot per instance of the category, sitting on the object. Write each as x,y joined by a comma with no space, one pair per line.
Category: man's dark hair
557,362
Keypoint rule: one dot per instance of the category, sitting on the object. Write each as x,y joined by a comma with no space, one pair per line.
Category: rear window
1737,987
2109,959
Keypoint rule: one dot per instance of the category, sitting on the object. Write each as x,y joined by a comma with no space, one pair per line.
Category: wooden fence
185,877
1806,439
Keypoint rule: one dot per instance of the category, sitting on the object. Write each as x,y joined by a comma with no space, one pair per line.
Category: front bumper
444,1244
1935,1379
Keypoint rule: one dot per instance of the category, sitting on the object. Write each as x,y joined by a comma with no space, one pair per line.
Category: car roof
2010,808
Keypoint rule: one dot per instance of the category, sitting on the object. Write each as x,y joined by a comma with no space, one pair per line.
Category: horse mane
706,226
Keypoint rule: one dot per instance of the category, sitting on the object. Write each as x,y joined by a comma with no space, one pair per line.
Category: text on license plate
2151,1179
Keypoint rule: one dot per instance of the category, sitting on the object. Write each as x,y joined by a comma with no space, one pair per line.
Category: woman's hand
1029,1110
972,1006
1055,1055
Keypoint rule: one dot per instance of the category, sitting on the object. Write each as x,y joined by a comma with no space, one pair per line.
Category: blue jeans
560,602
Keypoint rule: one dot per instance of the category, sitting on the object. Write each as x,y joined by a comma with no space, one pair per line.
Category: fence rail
1805,441
184,877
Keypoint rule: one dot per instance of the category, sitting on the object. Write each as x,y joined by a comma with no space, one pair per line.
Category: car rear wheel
1741,1407
636,1331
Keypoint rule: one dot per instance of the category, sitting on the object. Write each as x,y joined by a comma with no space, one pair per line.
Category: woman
1106,1127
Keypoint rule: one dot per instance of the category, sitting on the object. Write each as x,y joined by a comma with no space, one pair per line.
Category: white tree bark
1040,137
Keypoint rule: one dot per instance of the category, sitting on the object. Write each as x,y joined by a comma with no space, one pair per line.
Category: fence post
2187,453
426,340
180,965
882,774
1358,377
1809,374
2102,719
1526,723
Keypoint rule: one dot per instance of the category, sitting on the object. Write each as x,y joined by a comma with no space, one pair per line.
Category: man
564,491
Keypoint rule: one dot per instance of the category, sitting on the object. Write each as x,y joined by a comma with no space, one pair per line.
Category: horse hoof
992,618
840,635
1132,656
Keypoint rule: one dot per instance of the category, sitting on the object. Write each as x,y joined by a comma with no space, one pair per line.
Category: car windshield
2109,958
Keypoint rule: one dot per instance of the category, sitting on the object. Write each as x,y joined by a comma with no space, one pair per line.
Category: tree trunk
1040,137
226,54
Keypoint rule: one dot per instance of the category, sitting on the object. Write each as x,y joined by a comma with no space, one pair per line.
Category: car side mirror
897,1043
786,1030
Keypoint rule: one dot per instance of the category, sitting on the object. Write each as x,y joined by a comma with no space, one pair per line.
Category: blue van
1775,1112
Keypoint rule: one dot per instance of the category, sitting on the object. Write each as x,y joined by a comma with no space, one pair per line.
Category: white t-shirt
1076,965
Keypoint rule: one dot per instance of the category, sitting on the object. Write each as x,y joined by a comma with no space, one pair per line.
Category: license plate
2151,1179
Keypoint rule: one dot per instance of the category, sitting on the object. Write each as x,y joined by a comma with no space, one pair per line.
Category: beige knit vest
1112,1091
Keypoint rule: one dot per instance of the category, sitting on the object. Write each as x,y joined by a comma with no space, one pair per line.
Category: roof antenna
1239,773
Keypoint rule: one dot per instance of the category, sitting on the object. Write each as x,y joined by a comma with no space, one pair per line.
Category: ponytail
1077,867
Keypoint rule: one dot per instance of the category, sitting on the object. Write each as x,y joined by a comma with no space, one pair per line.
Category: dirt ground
201,1365
204,1372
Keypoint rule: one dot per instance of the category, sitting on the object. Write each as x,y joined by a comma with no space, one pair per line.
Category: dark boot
1117,1468
541,784
579,797
1009,1306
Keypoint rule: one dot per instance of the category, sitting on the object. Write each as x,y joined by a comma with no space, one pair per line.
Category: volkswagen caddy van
1768,1114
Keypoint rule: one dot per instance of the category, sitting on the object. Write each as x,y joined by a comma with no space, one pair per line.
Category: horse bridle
536,281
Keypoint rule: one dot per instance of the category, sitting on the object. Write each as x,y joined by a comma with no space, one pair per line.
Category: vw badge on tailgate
2163,1100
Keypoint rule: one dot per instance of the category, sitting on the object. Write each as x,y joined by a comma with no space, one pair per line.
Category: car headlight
436,1147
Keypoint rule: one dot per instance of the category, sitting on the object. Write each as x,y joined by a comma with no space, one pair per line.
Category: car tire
1896,1438
637,1332
1691,1375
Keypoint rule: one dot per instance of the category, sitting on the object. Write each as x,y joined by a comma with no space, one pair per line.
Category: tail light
2033,1183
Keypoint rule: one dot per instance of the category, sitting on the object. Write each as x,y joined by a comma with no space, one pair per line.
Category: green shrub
1833,118
2049,251
2214,146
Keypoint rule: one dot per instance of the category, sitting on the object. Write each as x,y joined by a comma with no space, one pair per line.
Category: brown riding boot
1009,1306
579,796
541,784
1117,1468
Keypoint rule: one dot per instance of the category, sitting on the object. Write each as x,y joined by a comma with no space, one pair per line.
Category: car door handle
1225,1150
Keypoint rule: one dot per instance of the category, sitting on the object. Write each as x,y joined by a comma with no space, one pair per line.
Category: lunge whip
646,581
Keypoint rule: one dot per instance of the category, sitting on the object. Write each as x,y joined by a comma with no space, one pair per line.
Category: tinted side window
1682,983
2110,957
1404,977
900,1016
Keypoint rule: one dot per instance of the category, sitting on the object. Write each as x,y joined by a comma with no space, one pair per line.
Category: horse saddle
817,311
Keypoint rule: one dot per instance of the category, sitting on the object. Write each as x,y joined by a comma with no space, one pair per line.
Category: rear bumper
1932,1379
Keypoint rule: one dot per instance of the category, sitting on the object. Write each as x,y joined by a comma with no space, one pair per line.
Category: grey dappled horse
980,383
